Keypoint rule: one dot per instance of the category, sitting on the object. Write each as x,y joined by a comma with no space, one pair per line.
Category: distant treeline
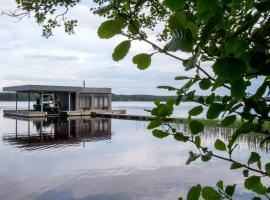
115,97
121,97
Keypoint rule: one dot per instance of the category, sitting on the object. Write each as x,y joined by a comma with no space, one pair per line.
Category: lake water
107,159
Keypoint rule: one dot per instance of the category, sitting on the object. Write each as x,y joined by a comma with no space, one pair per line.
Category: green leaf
198,141
166,87
192,157
236,46
121,50
228,120
206,8
205,84
154,123
177,21
165,110
230,68
108,29
254,184
194,193
175,4
220,184
142,61
192,61
207,156
230,190
256,198
220,145
255,157
195,111
196,127
236,165
210,25
267,168
159,133
121,20
181,40
134,27
180,78
245,172
214,110
208,193
259,93
210,99
238,89
180,137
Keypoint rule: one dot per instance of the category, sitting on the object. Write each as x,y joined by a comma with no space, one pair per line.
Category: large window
106,102
96,102
85,102
101,102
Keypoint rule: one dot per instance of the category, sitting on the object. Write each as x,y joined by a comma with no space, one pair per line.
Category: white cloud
28,58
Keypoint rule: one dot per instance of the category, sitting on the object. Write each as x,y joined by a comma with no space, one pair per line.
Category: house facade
65,98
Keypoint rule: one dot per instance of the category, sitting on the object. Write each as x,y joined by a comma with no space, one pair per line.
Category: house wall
63,99
93,98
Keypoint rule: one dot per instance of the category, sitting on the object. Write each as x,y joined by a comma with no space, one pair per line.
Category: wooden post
41,102
16,128
16,101
69,101
29,129
28,101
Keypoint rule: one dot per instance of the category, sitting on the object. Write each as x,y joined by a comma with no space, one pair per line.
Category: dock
117,114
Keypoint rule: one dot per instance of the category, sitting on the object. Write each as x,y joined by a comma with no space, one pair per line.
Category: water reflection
128,164
59,132
251,141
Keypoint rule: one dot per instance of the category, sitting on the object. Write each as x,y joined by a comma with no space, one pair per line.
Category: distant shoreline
115,97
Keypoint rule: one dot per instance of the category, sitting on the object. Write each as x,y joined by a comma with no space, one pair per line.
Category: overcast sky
28,58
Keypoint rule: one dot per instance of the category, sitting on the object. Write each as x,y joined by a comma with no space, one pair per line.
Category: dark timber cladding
65,98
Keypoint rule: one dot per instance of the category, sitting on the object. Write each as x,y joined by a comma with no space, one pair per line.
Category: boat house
58,99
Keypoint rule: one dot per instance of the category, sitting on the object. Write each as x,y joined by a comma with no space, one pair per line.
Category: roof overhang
53,88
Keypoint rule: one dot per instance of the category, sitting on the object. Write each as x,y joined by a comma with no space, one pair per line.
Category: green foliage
209,193
205,84
196,127
142,61
159,133
154,123
196,111
255,157
236,165
254,183
230,190
194,193
121,50
180,137
108,29
230,36
267,168
230,68
220,145
228,120
175,5
192,157
214,111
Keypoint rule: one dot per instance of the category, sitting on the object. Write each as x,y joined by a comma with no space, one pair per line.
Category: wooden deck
117,114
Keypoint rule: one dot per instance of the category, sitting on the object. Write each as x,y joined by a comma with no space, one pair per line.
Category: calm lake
107,159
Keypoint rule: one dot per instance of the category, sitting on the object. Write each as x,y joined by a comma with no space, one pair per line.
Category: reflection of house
56,132
53,99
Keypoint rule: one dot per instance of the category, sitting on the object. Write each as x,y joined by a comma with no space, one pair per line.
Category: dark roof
53,88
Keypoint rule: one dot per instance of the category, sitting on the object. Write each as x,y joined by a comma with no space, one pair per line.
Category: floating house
44,133
55,100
